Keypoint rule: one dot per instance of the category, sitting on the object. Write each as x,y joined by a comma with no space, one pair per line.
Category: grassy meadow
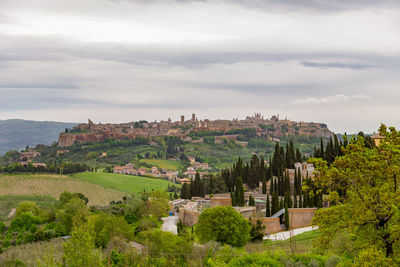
30,253
172,165
124,183
53,186
299,244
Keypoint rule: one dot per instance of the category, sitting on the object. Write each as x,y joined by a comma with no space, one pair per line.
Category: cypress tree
287,218
283,159
275,203
271,186
253,172
267,208
269,172
233,199
239,192
198,187
298,155
264,185
345,140
298,181
185,191
252,202
295,181
191,188
211,185
276,161
336,146
288,156
295,199
292,154
322,153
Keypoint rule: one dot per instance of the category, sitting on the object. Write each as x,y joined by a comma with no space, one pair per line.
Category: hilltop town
273,127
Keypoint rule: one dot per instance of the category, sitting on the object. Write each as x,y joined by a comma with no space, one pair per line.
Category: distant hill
17,134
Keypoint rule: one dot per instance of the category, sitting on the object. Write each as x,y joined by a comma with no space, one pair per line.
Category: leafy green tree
224,225
159,205
24,222
363,185
73,212
106,226
175,249
134,208
80,249
28,206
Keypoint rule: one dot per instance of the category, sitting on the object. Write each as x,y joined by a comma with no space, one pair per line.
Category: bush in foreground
224,225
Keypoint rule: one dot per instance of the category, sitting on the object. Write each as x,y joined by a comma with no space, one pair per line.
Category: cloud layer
335,62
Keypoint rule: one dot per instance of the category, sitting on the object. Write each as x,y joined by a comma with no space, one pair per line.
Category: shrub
24,222
27,206
224,225
333,261
145,224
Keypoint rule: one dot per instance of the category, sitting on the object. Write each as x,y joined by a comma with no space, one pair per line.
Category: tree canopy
224,225
365,199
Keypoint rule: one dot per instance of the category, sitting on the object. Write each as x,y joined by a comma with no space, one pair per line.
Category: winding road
169,224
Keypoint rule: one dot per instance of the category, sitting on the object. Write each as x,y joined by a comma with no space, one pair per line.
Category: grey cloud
41,85
258,89
53,49
287,5
353,66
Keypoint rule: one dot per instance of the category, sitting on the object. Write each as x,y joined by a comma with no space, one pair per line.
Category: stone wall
220,201
301,217
188,217
272,225
246,212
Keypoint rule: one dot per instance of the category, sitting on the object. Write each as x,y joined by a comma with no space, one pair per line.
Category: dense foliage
224,225
364,194
62,168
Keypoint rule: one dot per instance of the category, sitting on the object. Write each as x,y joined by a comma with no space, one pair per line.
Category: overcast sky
336,61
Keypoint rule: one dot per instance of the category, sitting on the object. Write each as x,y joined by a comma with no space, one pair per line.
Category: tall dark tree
322,152
254,172
298,155
252,202
198,187
185,191
239,192
267,208
287,223
264,185
274,203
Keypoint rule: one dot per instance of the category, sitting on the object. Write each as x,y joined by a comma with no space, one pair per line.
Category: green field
7,203
124,183
172,165
52,185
